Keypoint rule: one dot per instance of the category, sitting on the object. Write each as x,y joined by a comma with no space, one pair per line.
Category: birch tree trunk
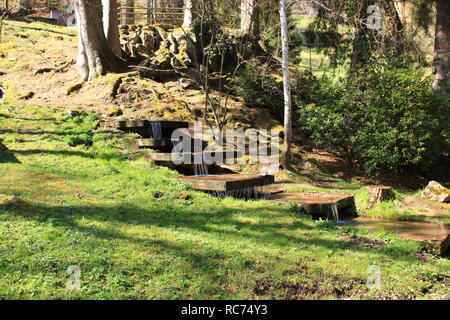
441,61
189,7
286,85
111,25
94,55
250,17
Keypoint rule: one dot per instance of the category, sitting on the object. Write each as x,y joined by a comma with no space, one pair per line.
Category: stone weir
227,182
334,206
243,186
156,144
156,130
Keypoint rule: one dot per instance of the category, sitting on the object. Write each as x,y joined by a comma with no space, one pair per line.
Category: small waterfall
200,167
156,130
250,193
177,146
263,192
334,212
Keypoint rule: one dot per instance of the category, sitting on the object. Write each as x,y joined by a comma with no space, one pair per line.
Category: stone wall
160,47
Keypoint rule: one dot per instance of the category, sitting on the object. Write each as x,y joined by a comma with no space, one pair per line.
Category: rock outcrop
436,192
165,46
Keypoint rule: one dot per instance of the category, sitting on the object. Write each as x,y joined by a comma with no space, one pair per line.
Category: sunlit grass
123,223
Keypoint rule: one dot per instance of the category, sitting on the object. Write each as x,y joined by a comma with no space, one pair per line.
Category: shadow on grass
37,133
30,19
8,157
69,153
222,225
56,152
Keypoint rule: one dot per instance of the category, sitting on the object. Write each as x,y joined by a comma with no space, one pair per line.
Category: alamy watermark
74,279
374,19
374,279
228,147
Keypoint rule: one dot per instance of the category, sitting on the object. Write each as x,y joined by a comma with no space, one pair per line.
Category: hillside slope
37,70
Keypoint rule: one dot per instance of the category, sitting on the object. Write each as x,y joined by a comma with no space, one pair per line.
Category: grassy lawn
313,59
136,234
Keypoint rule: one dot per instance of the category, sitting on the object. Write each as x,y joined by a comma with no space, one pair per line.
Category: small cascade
177,146
250,193
334,212
156,130
263,192
175,143
200,167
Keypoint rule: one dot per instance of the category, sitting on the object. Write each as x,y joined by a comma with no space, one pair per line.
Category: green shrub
221,49
83,118
261,87
258,88
80,139
382,118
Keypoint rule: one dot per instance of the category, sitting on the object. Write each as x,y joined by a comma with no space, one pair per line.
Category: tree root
115,88
74,88
62,68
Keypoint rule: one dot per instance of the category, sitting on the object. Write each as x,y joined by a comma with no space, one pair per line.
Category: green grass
135,233
313,59
319,64
303,21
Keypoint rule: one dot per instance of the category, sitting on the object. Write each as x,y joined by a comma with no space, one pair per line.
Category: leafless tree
286,85
189,13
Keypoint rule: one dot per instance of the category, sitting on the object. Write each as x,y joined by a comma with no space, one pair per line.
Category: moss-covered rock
436,192
115,112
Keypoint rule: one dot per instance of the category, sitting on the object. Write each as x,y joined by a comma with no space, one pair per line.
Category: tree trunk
360,43
94,55
111,25
442,47
396,26
250,17
286,85
189,13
